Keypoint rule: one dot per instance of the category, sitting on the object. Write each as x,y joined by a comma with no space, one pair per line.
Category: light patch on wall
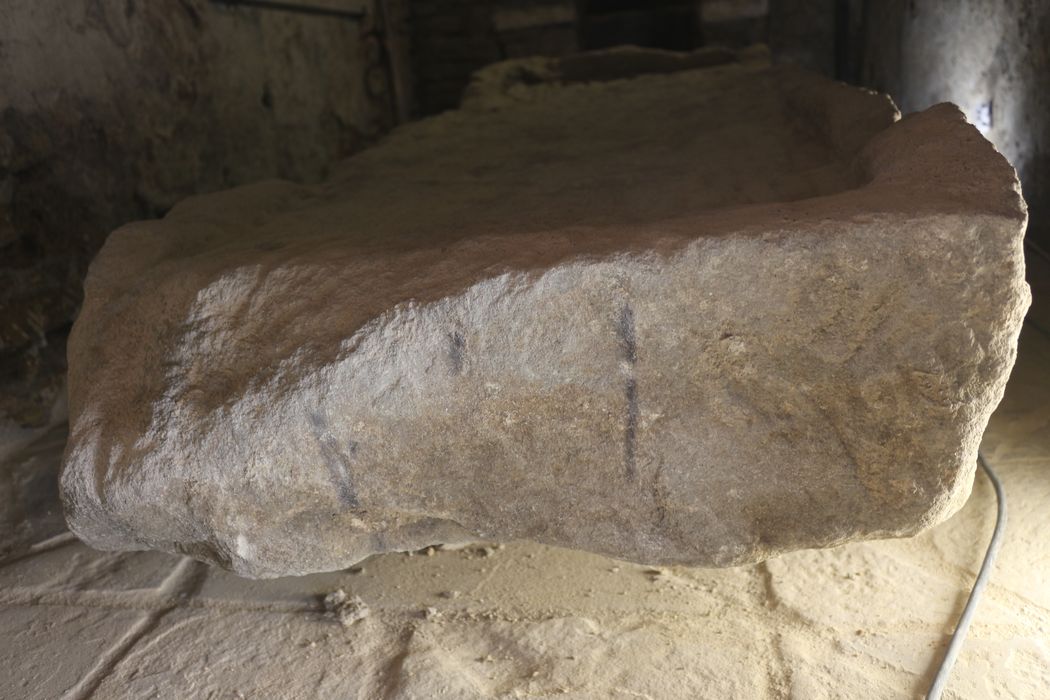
982,117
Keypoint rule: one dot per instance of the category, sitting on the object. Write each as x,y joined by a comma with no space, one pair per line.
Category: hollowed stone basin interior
710,140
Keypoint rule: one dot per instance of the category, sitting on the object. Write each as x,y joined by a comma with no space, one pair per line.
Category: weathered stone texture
699,318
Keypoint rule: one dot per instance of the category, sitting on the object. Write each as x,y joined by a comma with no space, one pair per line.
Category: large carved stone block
700,317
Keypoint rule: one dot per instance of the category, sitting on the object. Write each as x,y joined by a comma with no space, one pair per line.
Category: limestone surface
701,318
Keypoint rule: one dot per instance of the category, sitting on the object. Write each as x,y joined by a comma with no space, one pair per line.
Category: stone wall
802,32
113,110
990,58
453,38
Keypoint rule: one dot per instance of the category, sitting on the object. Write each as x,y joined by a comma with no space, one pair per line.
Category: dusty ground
866,620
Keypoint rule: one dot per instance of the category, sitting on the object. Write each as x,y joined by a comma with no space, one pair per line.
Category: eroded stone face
695,318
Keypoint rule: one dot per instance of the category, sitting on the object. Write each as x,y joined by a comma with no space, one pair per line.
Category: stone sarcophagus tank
701,317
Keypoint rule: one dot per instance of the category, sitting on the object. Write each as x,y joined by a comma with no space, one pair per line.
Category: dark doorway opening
659,24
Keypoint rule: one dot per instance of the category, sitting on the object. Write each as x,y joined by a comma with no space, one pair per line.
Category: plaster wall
990,58
113,110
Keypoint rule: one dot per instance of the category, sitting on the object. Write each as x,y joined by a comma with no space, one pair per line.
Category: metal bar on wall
303,9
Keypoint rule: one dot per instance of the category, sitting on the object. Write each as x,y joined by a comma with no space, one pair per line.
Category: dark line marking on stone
629,347
627,337
338,462
456,345
630,428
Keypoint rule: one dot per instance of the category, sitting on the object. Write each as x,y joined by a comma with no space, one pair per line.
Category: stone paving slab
75,566
47,650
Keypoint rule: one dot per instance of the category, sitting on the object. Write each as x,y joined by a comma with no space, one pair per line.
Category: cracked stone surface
695,318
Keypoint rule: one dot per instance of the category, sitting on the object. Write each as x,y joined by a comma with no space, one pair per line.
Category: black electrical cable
959,635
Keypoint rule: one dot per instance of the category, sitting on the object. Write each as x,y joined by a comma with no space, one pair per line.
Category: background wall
450,39
990,58
113,110
453,38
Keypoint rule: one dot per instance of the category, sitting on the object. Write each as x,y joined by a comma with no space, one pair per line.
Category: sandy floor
866,620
